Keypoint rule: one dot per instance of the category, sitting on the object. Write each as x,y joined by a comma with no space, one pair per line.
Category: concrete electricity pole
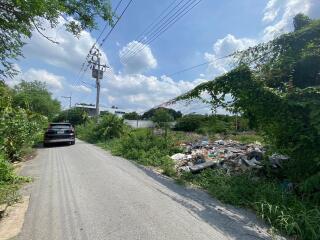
68,97
97,73
69,100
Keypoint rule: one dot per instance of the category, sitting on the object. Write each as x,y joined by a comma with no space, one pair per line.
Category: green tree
35,97
161,117
132,116
149,114
75,116
190,123
18,20
300,21
19,128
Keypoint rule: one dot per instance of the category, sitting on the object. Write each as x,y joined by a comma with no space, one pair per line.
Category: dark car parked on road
59,133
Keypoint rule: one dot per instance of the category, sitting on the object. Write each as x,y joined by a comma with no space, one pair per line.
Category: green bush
75,116
211,124
9,182
19,128
142,146
189,123
6,171
107,126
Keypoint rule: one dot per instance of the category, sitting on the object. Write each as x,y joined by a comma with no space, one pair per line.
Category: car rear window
60,126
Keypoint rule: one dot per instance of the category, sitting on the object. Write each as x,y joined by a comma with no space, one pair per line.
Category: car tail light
69,131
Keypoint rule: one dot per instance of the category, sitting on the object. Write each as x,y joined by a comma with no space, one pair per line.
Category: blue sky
211,30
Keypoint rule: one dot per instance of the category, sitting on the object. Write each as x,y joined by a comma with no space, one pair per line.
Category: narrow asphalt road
82,192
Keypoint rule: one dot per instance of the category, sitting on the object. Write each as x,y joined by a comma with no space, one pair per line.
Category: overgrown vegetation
9,182
103,128
140,145
21,126
280,208
75,116
211,124
146,148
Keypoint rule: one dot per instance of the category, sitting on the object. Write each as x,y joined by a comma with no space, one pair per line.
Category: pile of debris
230,155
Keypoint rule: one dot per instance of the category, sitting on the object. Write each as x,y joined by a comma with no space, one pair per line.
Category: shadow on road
236,223
52,145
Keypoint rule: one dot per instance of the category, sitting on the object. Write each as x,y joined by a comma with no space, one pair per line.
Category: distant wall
139,123
143,123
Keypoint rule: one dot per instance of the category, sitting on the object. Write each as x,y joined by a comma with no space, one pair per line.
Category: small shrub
9,182
6,171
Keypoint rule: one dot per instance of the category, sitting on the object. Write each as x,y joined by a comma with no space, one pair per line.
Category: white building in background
91,110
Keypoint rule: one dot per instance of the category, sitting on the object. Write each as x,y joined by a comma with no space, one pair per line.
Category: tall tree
35,97
300,21
18,20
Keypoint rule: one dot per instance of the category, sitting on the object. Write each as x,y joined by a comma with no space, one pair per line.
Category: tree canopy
35,97
75,116
132,116
18,20
149,114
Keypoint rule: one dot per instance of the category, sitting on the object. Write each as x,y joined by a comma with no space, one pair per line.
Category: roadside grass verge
283,210
145,148
10,182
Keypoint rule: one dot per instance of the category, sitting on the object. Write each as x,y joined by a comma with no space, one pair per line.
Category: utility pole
70,97
97,73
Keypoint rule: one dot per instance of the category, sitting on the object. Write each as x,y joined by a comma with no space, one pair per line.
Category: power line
108,34
198,65
157,28
141,35
83,69
156,22
105,27
169,22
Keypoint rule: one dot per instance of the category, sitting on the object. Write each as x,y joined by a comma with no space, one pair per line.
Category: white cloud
271,11
54,82
69,54
279,15
81,88
223,47
137,57
140,92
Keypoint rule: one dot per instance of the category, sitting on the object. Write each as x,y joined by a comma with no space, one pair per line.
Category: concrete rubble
230,155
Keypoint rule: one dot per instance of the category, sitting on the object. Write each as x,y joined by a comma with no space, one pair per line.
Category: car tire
73,142
46,145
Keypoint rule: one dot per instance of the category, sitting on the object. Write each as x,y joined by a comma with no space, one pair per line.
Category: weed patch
282,210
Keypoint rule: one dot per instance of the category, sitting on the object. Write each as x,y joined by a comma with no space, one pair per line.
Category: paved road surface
82,192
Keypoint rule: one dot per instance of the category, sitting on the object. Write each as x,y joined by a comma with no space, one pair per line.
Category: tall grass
9,182
283,210
143,147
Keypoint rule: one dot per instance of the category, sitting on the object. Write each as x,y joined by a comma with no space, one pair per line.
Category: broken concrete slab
199,167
